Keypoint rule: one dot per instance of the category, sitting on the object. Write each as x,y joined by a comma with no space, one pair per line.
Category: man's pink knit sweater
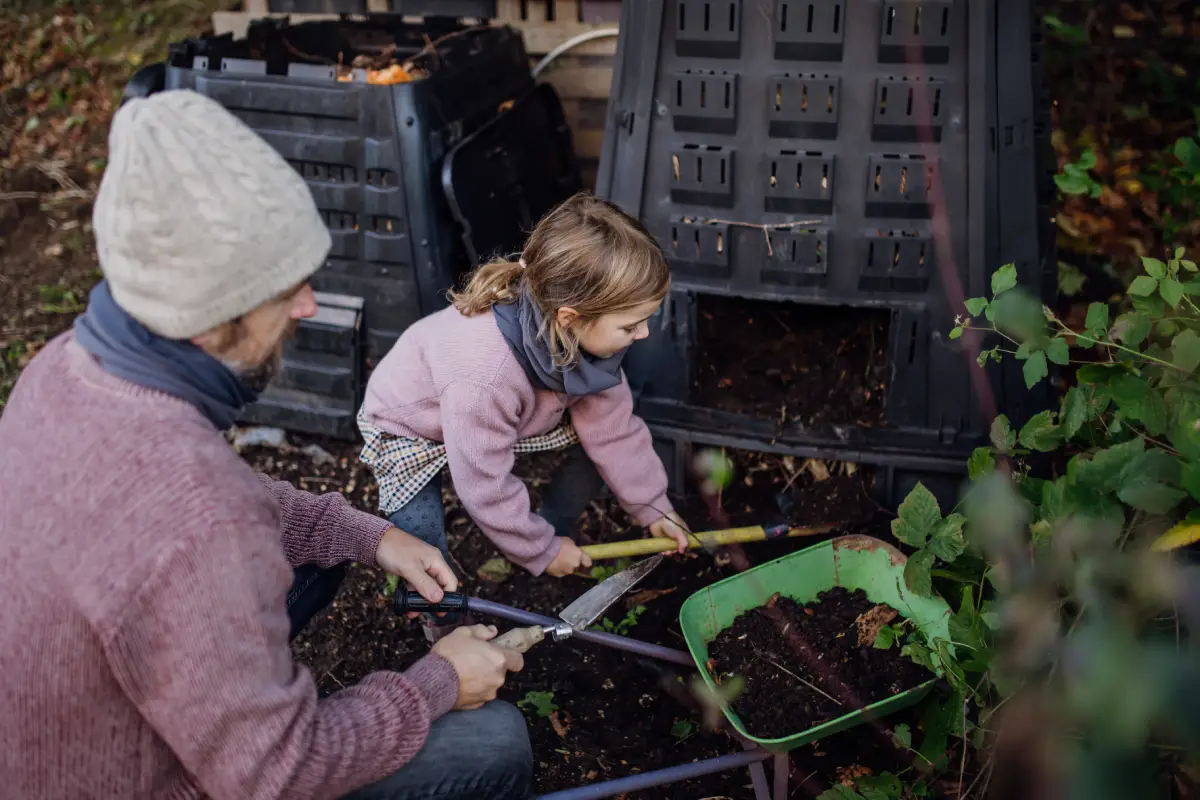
453,379
143,644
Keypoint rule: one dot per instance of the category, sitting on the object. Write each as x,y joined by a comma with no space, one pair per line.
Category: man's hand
481,666
671,526
569,559
418,563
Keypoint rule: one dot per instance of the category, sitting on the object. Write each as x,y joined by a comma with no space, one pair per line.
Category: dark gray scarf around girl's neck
521,324
129,350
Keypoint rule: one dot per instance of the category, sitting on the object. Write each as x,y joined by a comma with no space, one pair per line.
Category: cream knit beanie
198,220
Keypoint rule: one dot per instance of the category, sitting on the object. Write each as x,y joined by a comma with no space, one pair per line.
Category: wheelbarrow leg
783,766
758,775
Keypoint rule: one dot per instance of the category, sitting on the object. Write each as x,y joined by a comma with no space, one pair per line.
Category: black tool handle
408,602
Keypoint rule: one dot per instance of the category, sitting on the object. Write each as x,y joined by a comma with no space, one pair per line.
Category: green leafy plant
868,787
602,571
682,729
1076,177
623,626
541,703
1058,593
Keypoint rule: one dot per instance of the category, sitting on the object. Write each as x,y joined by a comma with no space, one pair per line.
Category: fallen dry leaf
817,469
640,598
871,622
773,600
497,570
848,776
561,722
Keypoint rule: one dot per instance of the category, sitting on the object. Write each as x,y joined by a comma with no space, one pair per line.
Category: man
143,645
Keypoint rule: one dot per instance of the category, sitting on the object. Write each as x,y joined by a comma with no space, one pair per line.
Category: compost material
804,665
791,363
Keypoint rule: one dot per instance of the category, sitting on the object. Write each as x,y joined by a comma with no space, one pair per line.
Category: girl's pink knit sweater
453,379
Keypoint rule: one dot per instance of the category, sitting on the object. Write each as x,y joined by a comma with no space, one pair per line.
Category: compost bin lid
479,9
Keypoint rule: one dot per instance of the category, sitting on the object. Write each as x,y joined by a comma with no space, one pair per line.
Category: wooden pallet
582,76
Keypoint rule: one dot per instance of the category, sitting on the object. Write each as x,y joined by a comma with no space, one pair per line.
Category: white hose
574,41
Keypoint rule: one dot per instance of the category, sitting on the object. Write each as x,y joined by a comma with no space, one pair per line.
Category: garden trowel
586,609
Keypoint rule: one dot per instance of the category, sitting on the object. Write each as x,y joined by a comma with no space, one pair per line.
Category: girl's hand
672,526
569,559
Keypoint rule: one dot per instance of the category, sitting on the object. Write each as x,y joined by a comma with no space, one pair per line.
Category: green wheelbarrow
851,562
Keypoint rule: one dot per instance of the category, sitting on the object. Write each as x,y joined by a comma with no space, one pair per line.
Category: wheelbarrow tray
852,562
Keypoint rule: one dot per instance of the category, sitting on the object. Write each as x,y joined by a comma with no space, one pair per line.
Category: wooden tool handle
520,639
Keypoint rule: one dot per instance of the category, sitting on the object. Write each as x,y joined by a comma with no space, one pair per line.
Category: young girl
495,374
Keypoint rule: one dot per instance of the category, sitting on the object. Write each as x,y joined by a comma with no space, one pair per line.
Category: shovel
575,617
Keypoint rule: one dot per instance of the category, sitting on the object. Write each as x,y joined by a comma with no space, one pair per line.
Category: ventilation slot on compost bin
916,30
814,365
803,106
705,101
797,257
708,28
909,110
698,248
799,183
900,186
896,260
702,175
809,30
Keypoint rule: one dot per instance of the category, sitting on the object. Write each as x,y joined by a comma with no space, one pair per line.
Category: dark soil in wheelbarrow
607,714
805,665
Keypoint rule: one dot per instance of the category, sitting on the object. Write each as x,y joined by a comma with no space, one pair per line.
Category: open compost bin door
503,178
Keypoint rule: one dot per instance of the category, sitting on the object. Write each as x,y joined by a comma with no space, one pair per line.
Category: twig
985,771
797,677
962,767
765,227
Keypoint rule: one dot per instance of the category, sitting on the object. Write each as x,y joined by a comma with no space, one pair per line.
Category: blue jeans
498,762
576,483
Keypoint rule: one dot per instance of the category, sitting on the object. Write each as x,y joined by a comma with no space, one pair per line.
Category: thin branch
797,677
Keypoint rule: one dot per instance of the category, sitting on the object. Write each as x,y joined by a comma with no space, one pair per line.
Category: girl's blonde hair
586,254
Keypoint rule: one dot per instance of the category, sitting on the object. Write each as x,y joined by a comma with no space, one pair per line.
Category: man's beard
257,378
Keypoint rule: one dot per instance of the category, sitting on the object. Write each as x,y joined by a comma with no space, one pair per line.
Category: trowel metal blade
595,601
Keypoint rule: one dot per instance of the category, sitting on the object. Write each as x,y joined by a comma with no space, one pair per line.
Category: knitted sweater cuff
437,682
365,531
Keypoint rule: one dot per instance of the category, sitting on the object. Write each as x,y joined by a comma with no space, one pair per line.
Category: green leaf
1004,279
947,542
1102,471
1097,318
1073,182
1034,369
1188,152
879,787
976,305
902,735
1185,351
1087,159
1040,433
1143,285
1004,438
916,573
1058,352
1021,315
916,517
1171,291
542,703
1151,496
1099,374
885,638
980,463
1190,266
1131,329
840,792
1154,267
1190,479
1070,279
1138,401
956,333
683,728
1077,410
920,654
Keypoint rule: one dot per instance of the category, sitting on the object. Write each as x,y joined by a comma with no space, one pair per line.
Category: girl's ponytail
494,282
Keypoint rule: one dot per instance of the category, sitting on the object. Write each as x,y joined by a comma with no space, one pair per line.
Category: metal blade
595,601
